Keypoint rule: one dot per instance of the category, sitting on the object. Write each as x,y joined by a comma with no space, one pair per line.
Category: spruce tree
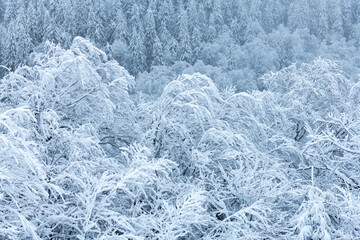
31,22
2,10
218,17
158,52
267,16
203,21
40,27
185,53
3,33
23,40
298,15
347,18
68,26
18,43
121,28
52,33
335,18
211,33
192,15
150,36
168,43
10,50
137,61
11,11
195,44
95,30
137,47
239,27
322,23
81,16
314,7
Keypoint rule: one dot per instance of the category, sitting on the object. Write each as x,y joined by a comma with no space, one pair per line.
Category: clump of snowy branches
84,156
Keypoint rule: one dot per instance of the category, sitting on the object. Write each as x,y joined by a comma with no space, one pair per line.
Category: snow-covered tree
173,133
185,50
18,43
335,18
96,29
81,8
347,18
231,127
11,11
25,192
196,44
137,43
322,27
298,15
121,30
239,27
150,36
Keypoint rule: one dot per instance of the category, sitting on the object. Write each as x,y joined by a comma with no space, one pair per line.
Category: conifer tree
121,28
322,21
169,44
150,36
195,44
158,52
40,27
164,22
18,43
211,30
2,10
298,15
193,15
313,15
31,22
203,21
255,10
11,11
335,18
163,13
347,18
219,22
68,26
23,39
81,16
96,29
3,39
9,54
185,53
239,27
173,17
137,43
267,16
51,31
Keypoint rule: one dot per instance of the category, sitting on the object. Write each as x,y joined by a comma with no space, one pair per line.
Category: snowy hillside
177,120
83,159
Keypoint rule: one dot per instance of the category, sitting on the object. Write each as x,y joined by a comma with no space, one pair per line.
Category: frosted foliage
23,177
179,120
72,82
186,108
81,46
312,219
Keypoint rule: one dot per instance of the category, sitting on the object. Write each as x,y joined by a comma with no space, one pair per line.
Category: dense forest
232,42
179,119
